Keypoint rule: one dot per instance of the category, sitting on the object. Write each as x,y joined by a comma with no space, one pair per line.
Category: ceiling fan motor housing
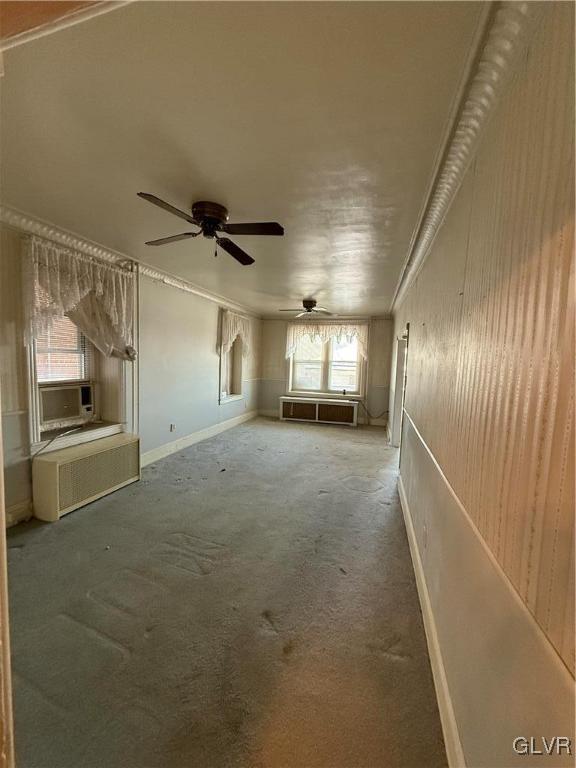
210,215
309,304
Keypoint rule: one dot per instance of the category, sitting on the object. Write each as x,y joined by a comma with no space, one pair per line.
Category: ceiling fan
309,308
212,219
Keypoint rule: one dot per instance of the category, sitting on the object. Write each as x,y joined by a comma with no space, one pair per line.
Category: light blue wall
179,366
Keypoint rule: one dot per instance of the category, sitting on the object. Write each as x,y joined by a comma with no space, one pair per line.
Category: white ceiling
326,117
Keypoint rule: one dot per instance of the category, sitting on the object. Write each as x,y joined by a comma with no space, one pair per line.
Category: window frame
90,376
325,376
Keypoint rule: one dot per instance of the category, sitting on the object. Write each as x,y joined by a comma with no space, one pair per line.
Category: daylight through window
331,366
62,353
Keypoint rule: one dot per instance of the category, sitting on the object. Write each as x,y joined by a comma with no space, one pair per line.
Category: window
343,366
308,365
231,370
62,353
332,366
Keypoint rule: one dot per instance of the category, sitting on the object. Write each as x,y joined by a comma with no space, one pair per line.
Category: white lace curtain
234,325
324,331
97,297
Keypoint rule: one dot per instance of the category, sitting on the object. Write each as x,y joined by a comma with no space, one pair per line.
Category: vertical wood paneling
490,376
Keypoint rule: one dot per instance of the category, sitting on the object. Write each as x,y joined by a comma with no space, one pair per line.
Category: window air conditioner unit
66,479
65,404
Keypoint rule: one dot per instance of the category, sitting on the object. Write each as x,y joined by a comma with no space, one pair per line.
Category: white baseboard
203,434
452,742
18,512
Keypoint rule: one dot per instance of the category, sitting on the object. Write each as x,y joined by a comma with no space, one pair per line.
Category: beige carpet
250,603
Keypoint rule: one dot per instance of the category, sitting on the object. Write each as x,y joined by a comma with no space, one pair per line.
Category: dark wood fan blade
234,251
263,228
172,238
167,207
296,309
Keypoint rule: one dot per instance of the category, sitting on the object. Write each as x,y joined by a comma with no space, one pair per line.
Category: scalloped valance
98,297
324,331
234,325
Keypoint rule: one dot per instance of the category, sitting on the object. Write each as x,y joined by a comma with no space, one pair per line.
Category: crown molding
30,225
499,50
173,281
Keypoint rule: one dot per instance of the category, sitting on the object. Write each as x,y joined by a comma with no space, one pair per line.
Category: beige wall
6,718
13,376
490,394
378,384
274,365
13,370
275,369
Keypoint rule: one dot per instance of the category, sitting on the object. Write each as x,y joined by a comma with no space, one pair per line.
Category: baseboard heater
66,479
323,411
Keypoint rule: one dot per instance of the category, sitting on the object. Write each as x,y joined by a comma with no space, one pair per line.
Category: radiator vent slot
69,478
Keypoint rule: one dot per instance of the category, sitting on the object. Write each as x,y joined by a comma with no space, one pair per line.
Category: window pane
344,351
61,353
343,367
308,350
63,335
343,376
59,366
307,375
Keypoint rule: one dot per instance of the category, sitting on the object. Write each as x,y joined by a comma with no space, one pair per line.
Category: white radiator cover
69,478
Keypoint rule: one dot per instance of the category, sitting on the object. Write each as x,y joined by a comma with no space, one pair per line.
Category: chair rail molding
31,225
500,49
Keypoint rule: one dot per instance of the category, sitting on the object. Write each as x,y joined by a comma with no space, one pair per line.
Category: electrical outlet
172,427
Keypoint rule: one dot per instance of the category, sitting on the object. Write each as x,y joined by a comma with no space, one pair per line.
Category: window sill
231,399
324,395
77,438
